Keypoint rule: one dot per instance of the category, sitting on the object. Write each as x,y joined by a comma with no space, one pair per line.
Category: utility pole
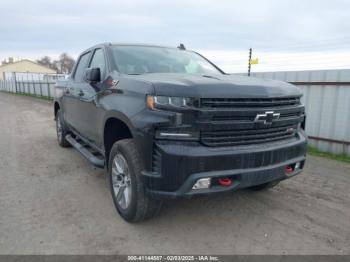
250,58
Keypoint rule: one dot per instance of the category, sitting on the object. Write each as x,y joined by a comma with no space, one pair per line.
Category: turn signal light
150,102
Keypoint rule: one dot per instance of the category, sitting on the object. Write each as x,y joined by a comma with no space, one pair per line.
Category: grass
47,98
315,152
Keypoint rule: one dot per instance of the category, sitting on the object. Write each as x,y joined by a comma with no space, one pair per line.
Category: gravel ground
52,201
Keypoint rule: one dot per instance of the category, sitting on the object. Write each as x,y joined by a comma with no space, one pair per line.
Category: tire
264,186
61,130
125,179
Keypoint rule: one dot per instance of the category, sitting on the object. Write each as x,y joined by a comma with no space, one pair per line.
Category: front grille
230,122
245,137
248,102
251,117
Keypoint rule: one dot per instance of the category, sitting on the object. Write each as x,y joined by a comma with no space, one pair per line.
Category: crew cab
166,123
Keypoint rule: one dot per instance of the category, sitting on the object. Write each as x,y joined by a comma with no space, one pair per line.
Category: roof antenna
181,47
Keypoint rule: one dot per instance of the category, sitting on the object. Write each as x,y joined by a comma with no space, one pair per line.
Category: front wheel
61,130
126,183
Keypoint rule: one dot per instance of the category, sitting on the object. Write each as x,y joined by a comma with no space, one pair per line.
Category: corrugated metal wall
327,102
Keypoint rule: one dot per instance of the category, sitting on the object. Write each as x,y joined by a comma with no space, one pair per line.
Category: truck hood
218,86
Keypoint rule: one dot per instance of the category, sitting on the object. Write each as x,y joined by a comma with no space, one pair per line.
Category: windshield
135,60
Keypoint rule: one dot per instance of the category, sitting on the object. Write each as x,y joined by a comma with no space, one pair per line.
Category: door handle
81,93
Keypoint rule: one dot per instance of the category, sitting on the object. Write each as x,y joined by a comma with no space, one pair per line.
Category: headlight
166,102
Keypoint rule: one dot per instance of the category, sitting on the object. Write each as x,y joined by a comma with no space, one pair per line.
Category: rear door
72,112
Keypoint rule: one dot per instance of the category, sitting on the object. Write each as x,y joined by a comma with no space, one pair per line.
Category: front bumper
177,166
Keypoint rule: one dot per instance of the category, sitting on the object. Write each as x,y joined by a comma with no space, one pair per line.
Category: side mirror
93,75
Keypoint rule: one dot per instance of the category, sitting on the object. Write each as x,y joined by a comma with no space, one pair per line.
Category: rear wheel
264,186
126,183
61,130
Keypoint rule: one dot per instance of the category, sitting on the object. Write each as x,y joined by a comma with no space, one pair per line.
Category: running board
95,160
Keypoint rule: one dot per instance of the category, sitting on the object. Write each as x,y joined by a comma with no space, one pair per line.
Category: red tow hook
289,169
225,181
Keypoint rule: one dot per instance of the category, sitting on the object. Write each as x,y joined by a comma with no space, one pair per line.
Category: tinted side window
98,60
82,65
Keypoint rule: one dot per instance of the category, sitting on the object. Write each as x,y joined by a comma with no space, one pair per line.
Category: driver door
71,93
90,110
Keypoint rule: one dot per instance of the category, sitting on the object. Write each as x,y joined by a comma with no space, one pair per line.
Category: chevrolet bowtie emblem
267,118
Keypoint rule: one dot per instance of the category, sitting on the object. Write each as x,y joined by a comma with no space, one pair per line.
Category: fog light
202,183
297,165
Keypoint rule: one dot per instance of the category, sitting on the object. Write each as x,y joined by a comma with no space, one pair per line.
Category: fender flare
119,116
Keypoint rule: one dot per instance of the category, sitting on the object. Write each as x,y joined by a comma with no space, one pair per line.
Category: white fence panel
36,84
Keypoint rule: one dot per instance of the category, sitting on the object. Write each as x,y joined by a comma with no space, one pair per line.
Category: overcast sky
284,34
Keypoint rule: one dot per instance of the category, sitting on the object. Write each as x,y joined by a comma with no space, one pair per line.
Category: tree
65,63
46,61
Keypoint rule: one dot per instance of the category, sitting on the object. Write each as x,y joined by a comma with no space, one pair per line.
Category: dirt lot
53,201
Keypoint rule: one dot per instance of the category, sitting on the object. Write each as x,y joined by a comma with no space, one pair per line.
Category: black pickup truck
167,123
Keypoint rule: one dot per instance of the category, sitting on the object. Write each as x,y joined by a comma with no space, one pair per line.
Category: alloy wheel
121,181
